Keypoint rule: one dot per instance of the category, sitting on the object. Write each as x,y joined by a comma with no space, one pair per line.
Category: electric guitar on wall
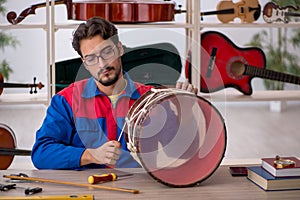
223,64
273,13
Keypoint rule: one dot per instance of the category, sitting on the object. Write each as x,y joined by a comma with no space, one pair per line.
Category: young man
84,121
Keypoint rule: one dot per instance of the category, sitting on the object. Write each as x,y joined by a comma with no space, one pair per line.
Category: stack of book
276,174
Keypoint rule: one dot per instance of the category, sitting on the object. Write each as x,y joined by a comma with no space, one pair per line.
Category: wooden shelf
229,96
251,25
73,25
185,25
267,95
136,25
17,99
24,26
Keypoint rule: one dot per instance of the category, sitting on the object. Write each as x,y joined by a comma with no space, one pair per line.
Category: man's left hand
186,86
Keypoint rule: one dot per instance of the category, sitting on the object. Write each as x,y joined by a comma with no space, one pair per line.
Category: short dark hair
94,26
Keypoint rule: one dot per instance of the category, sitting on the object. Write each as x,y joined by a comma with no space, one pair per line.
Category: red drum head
179,138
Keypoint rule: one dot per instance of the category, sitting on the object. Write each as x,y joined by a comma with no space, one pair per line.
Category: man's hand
186,86
107,154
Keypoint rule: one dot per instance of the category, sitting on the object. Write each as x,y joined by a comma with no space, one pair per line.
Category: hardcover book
267,182
294,170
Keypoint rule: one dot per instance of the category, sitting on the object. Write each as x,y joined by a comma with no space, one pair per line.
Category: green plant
280,51
6,40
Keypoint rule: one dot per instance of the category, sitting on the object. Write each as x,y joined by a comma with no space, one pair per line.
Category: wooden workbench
221,185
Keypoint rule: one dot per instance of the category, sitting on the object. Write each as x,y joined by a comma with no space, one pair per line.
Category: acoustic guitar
223,65
274,13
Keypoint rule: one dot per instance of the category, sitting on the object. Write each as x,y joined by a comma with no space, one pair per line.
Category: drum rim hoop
222,155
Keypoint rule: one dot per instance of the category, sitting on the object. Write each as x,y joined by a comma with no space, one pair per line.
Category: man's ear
121,49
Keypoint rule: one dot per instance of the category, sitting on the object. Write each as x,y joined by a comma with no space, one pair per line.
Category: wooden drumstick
72,183
122,131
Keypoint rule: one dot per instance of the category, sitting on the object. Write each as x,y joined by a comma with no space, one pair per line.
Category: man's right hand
107,154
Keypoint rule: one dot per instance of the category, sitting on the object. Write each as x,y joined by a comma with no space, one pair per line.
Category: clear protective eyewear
105,54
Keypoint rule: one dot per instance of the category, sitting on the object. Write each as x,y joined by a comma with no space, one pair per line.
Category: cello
8,147
122,11
20,85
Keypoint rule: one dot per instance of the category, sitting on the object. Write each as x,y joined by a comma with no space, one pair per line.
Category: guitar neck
292,14
271,75
218,12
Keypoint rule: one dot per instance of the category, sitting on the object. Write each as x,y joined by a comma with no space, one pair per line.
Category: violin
20,85
122,11
247,10
8,147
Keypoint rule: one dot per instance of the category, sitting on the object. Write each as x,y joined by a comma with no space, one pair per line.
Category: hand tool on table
97,178
134,191
27,191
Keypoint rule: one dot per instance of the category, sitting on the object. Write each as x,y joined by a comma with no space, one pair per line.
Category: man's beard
108,82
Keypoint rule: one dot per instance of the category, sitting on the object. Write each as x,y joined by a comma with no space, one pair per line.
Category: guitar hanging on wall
20,85
274,13
223,65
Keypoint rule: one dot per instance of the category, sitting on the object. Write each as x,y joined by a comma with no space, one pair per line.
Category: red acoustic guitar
223,64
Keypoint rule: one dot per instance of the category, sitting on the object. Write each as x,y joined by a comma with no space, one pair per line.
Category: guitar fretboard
292,14
270,74
225,11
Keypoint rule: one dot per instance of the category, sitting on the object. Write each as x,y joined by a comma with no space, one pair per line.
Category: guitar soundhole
237,69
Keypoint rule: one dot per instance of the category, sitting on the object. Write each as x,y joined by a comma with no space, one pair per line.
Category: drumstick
121,132
72,183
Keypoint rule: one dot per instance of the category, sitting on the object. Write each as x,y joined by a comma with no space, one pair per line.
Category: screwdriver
96,178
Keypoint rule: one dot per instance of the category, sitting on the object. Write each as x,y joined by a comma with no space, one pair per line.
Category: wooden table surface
221,185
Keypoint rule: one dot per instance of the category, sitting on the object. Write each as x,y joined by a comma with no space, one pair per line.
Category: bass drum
178,137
